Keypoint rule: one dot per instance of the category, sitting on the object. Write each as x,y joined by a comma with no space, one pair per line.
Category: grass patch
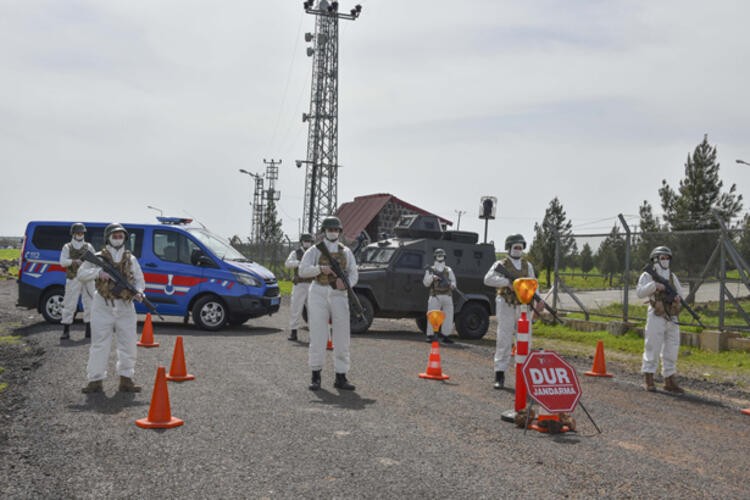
285,287
10,339
726,365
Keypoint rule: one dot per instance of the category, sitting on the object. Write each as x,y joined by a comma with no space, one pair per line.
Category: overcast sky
107,107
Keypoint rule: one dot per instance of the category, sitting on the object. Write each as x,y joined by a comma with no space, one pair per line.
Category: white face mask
78,237
116,243
664,263
440,258
516,253
306,244
332,235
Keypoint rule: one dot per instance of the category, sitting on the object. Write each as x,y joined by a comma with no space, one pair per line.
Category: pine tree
271,233
744,243
543,248
587,259
647,240
611,254
690,207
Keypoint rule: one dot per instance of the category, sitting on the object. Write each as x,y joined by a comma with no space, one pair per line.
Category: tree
744,243
611,254
270,228
543,247
648,238
691,206
587,259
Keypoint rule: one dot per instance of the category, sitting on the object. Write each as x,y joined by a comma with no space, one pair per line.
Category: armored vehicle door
404,288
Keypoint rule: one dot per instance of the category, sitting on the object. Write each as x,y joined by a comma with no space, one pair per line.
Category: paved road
253,430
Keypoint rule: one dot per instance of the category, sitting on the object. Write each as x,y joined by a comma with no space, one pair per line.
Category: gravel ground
253,430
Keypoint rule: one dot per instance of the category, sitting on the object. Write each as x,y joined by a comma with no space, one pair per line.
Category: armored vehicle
391,272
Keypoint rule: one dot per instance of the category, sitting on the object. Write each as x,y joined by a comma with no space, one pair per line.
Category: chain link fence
600,277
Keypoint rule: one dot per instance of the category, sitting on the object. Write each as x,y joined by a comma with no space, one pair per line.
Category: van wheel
51,305
473,321
210,313
421,323
361,325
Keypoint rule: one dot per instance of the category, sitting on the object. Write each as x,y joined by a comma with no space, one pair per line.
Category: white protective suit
74,288
117,317
507,315
323,302
441,301
662,334
299,293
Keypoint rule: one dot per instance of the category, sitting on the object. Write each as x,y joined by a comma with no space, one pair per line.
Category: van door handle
150,264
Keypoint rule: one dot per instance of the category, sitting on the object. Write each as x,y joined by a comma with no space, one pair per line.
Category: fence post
627,269
556,281
722,279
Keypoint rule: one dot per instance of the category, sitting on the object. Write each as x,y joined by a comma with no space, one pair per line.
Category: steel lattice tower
321,181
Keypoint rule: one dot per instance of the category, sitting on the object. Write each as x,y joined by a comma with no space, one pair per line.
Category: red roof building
377,214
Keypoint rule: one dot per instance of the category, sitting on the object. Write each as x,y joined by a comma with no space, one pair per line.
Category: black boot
315,381
342,383
88,330
499,380
292,336
66,332
444,339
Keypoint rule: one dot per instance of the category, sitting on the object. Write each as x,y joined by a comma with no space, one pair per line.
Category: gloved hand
103,275
77,262
138,297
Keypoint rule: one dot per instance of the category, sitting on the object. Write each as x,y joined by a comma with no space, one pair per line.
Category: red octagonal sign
551,381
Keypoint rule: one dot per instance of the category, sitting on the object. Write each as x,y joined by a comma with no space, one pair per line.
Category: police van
188,271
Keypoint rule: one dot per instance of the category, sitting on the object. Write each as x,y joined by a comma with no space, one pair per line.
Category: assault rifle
444,282
670,293
336,267
119,279
500,268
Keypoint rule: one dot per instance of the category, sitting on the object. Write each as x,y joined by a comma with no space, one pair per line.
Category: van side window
409,260
171,246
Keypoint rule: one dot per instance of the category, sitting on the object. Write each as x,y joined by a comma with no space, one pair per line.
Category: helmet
77,227
113,228
306,237
661,250
513,239
438,251
331,223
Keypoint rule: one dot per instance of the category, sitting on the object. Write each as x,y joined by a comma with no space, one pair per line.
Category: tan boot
127,385
94,386
649,377
670,384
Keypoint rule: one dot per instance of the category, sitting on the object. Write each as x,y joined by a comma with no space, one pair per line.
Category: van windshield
220,247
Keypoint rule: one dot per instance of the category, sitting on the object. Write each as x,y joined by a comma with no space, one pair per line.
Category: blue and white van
188,271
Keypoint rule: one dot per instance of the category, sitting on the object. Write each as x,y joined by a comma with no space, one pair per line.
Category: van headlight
247,279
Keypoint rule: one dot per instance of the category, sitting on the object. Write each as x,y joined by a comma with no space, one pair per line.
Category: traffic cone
177,371
600,366
147,335
434,371
329,345
159,414
746,411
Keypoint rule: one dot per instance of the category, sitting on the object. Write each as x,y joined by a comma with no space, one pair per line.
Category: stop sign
551,381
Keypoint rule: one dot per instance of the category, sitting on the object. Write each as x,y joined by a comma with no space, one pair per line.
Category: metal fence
270,255
707,262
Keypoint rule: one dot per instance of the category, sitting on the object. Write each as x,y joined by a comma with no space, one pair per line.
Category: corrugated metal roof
356,215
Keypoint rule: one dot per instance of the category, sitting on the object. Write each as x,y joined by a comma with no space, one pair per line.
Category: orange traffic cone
434,371
600,366
329,346
147,335
177,371
159,414
746,411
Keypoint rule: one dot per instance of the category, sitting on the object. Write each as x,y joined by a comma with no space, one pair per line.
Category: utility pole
272,175
460,213
256,223
321,180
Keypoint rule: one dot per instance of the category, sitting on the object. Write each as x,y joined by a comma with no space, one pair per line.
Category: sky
109,107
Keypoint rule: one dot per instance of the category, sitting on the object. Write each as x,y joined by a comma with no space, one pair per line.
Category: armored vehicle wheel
210,313
52,304
421,323
360,325
473,321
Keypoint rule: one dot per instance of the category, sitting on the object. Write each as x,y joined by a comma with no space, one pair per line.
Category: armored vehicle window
410,260
457,252
374,255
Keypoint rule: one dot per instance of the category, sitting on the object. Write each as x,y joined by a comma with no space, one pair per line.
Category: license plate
275,301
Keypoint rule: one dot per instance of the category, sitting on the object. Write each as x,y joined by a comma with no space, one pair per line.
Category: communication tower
321,180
